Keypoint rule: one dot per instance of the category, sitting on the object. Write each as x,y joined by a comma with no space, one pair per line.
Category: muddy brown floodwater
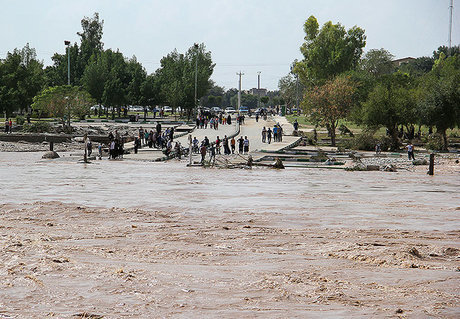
122,239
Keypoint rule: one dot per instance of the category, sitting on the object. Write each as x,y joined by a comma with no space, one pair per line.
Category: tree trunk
394,138
445,143
331,128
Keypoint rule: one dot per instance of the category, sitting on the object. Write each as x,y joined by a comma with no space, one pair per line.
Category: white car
216,109
230,110
167,108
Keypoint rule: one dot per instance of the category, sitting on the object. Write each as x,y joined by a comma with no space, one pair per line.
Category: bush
434,142
20,120
385,143
37,127
364,141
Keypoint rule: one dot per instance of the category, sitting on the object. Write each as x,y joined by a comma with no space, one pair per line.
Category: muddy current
119,239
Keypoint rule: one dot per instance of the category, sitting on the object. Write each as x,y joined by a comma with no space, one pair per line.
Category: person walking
232,144
410,151
296,125
264,135
89,146
10,123
269,135
7,126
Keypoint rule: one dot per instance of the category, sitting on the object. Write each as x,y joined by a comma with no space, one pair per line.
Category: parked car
244,109
167,108
230,110
136,108
216,109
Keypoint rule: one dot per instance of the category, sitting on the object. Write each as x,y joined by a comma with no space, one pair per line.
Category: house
399,62
258,92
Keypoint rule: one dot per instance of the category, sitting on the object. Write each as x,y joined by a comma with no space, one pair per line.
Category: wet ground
146,240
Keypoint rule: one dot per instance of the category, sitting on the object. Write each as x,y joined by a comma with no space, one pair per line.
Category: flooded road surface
332,198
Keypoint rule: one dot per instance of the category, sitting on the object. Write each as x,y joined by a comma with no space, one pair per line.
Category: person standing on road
7,126
11,126
264,135
226,148
141,136
240,145
218,145
269,135
203,152
246,145
410,151
232,144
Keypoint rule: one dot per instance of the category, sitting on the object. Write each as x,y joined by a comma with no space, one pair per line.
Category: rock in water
50,155
278,163
420,162
390,168
372,168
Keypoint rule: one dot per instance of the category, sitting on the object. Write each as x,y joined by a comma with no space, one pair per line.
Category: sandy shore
68,261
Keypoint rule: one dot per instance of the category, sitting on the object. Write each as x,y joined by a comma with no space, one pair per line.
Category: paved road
251,129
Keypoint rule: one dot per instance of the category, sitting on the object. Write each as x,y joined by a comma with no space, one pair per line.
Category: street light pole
258,89
239,91
196,72
67,43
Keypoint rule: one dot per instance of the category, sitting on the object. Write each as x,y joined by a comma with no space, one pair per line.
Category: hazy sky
250,35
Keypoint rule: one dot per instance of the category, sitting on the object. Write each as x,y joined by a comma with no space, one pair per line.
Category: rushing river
336,198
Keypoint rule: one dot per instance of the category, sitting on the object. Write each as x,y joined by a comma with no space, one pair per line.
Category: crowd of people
8,126
276,133
228,146
155,139
116,145
207,118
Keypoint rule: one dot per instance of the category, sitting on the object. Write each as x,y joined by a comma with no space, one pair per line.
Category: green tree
94,79
21,78
80,56
330,102
288,89
150,91
264,99
439,99
455,50
177,77
63,102
137,76
391,103
328,51
377,62
417,67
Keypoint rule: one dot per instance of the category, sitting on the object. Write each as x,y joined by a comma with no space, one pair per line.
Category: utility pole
297,92
67,43
196,73
451,9
239,91
258,89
